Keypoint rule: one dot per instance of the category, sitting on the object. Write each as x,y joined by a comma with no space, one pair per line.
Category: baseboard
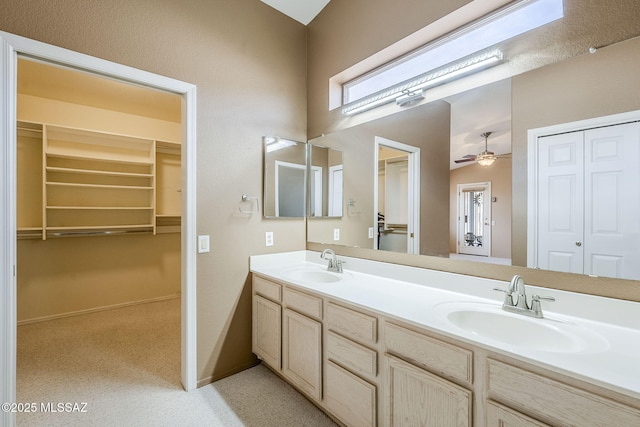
214,378
96,309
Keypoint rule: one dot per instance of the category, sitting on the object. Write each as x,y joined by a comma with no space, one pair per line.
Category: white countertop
417,295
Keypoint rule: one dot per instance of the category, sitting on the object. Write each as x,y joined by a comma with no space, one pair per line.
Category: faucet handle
508,300
535,304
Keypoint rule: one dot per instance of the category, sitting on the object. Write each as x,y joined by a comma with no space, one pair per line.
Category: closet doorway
15,47
98,230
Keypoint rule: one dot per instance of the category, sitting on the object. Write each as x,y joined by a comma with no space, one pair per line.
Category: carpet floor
122,368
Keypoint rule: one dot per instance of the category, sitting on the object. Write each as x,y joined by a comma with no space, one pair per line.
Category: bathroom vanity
390,345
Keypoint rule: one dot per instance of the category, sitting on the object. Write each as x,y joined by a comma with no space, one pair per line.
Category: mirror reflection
285,178
467,210
325,182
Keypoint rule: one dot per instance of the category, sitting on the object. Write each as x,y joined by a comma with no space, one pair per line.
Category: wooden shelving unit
74,182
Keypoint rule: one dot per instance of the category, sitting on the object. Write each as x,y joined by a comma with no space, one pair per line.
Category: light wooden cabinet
366,369
415,397
267,327
349,397
302,352
351,365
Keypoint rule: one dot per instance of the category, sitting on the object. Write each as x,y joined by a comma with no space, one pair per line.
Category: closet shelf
99,159
98,172
102,208
80,185
96,183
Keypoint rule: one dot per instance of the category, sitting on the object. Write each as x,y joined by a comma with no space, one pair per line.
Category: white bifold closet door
589,202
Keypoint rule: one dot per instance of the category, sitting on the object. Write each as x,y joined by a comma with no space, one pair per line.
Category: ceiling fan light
486,159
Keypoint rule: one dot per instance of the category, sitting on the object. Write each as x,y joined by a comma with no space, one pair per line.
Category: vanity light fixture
387,83
428,80
409,97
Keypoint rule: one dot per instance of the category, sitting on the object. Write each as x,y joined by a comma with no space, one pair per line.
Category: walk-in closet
98,202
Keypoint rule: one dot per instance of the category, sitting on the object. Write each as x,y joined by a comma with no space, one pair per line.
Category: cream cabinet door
302,352
415,397
267,323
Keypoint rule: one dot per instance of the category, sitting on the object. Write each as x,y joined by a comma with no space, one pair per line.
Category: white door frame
532,167
413,222
11,46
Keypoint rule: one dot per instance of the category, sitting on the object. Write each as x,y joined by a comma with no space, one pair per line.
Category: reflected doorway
474,219
397,196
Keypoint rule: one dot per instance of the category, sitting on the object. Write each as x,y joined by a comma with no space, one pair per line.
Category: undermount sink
314,275
489,321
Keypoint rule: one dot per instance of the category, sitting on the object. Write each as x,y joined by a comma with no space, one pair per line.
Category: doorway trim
413,226
532,167
12,46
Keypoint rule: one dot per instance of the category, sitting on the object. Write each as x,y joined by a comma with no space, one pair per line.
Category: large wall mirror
449,133
285,178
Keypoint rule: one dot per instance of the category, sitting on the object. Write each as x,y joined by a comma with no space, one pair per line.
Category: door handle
578,243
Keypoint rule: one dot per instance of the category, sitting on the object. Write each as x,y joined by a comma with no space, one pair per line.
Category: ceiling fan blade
465,160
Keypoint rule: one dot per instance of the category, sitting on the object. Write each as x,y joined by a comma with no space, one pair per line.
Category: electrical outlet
371,232
203,244
336,234
268,238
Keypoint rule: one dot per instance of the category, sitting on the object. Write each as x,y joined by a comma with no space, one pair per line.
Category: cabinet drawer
267,288
552,401
501,416
303,303
351,355
350,398
352,324
437,356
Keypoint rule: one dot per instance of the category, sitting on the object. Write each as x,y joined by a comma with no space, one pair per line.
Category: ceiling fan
486,158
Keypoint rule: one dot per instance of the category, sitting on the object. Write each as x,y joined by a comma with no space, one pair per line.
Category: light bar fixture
428,80
441,60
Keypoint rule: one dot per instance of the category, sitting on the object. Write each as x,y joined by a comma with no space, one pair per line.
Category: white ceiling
302,11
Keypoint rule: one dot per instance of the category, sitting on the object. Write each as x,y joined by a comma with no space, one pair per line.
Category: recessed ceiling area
302,11
78,87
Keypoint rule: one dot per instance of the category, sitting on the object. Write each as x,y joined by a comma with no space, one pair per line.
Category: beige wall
75,274
499,175
248,63
584,87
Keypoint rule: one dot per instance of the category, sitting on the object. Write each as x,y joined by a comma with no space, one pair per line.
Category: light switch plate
336,234
268,238
203,244
371,232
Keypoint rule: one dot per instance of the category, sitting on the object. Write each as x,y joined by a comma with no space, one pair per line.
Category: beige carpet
125,365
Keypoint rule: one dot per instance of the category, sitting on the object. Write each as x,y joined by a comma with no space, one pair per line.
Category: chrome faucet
335,264
520,305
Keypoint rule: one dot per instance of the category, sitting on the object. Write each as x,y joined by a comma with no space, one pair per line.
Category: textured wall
248,62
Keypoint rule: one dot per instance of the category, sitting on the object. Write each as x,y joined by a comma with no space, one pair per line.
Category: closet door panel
560,202
612,201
